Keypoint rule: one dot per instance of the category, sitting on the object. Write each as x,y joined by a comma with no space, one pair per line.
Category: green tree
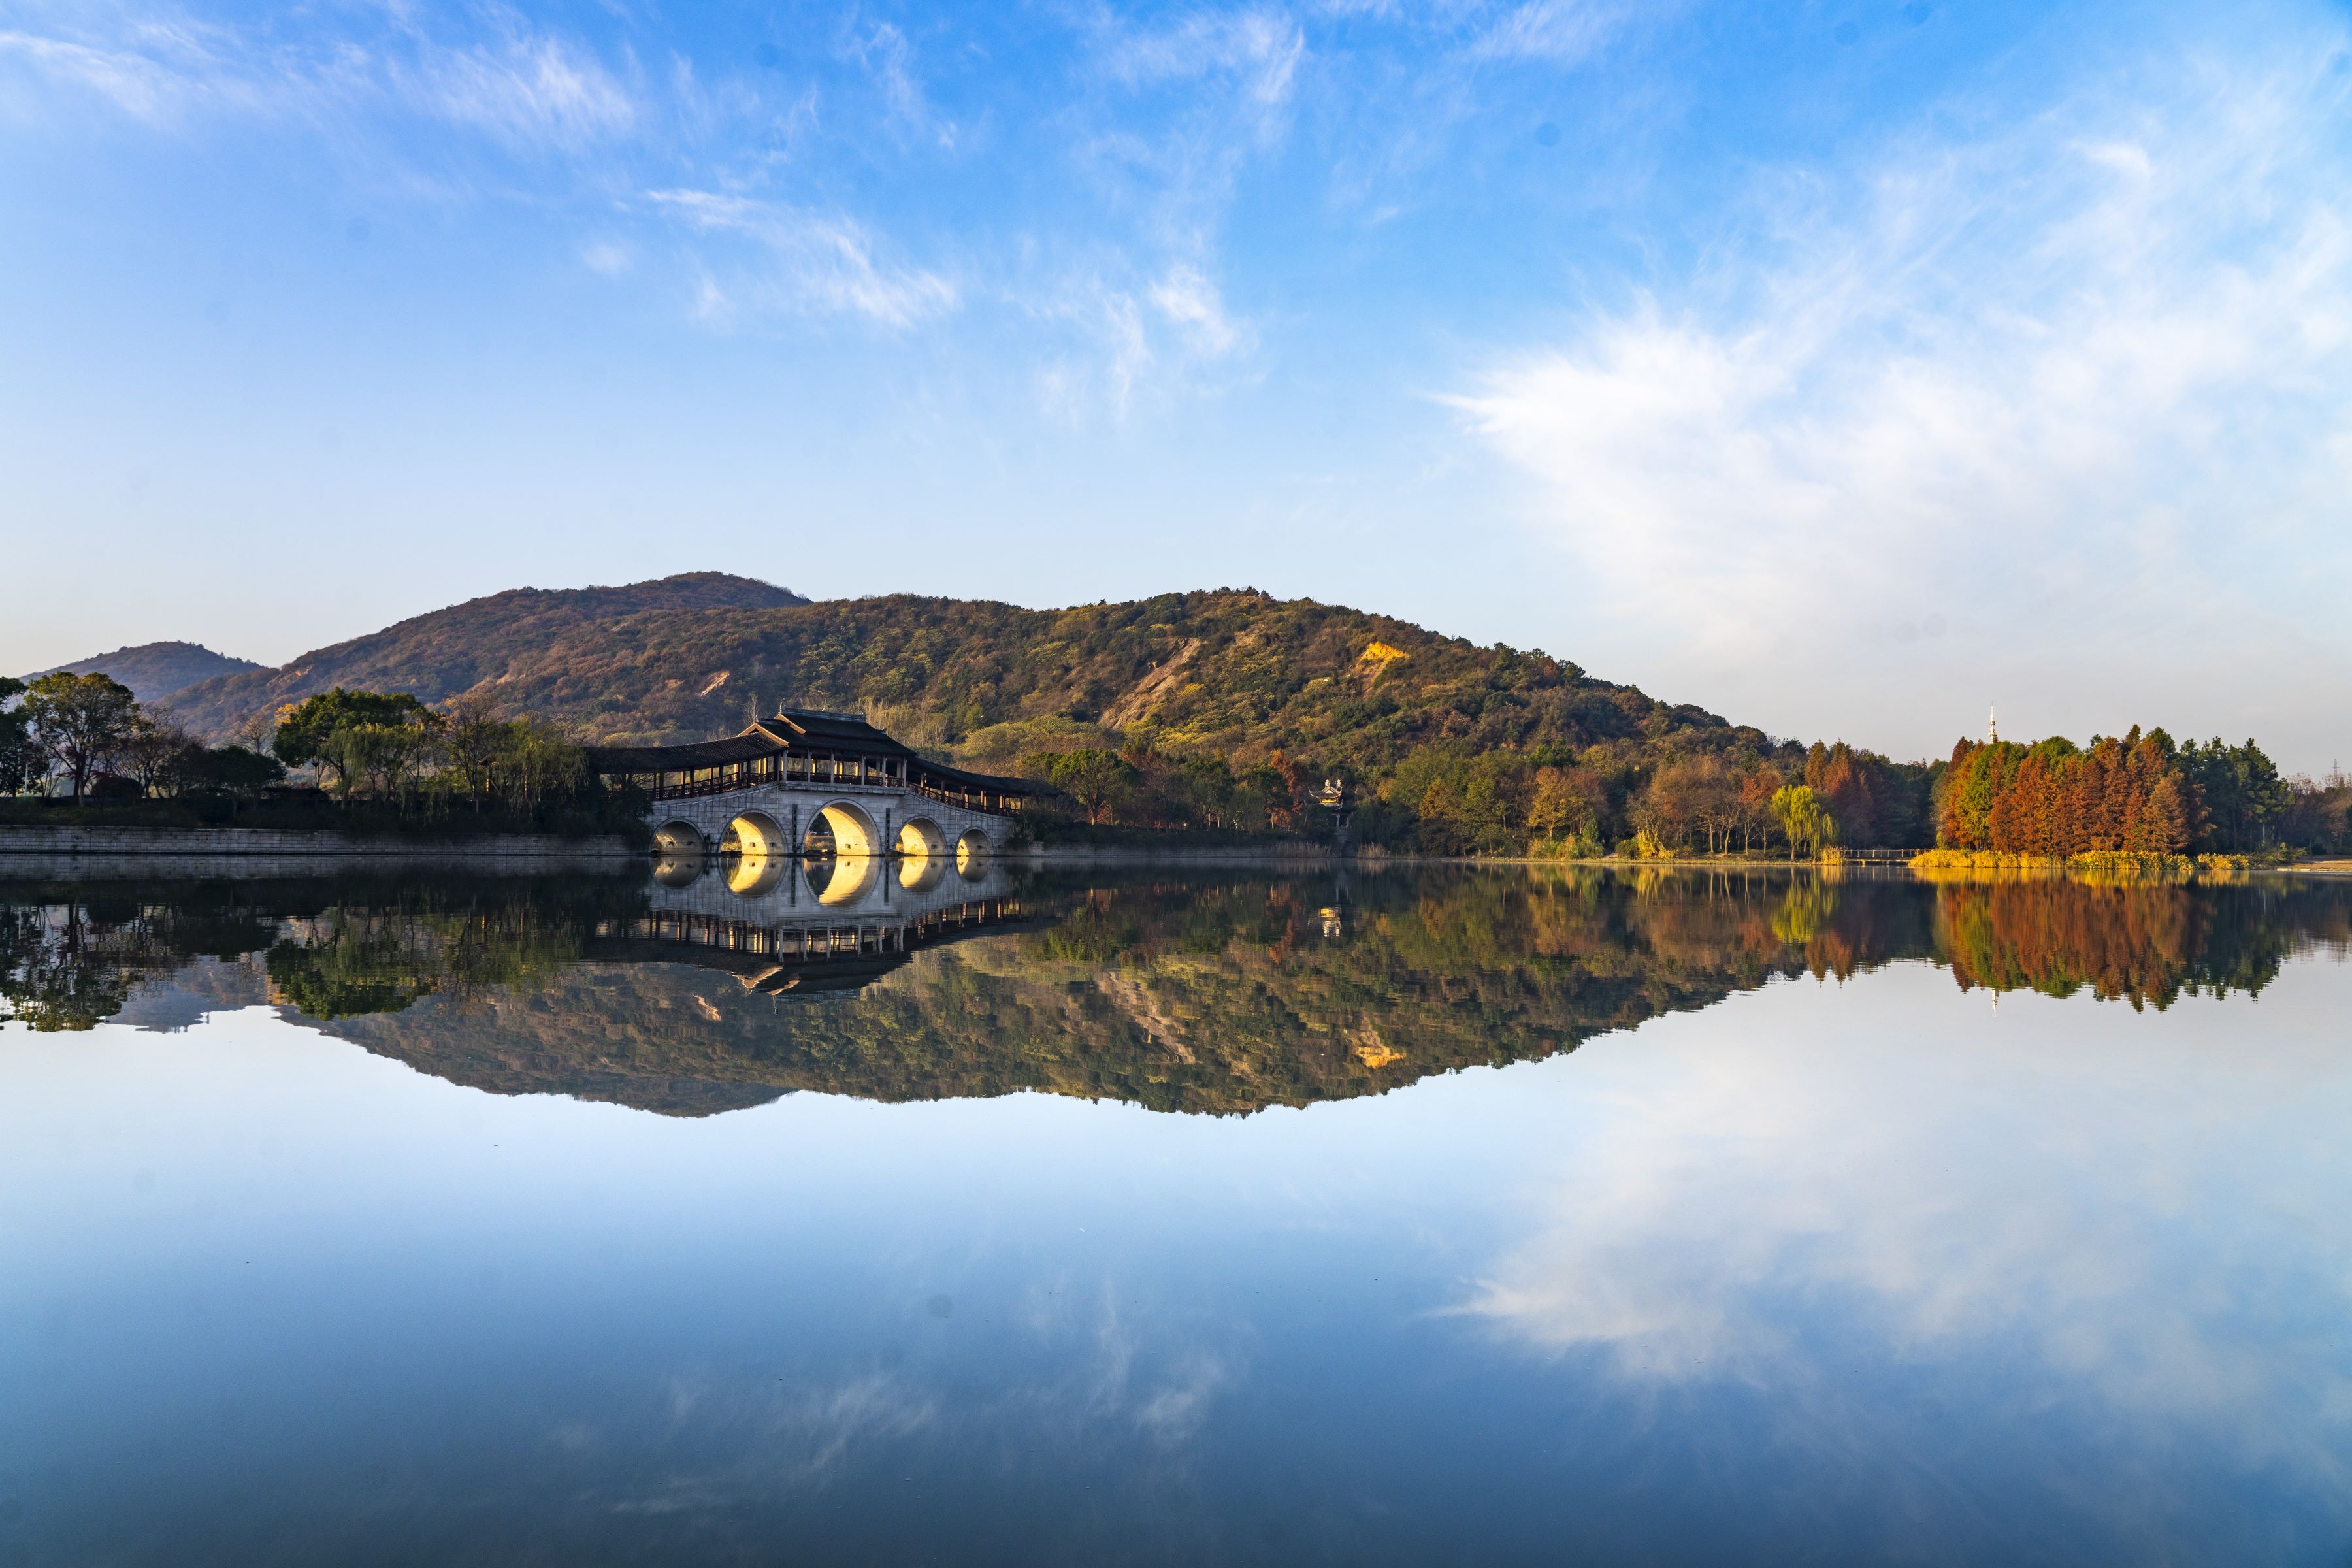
1097,779
306,729
379,760
82,722
1803,819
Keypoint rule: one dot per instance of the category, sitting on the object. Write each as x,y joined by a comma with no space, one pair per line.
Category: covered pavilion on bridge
805,746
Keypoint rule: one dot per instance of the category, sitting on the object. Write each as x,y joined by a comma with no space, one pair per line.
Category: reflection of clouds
792,1435
1082,1378
2113,1207
1120,1369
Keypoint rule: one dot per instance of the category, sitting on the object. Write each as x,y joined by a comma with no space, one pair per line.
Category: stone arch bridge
809,784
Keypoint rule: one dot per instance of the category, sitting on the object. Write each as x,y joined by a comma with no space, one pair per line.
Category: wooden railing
735,778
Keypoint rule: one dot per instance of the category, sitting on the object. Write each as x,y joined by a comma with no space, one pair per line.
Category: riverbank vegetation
79,749
1227,714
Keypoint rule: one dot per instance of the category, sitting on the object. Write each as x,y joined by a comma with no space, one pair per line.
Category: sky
1848,369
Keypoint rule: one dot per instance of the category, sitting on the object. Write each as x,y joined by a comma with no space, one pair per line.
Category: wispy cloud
1555,32
886,55
1259,49
807,263
1167,332
527,89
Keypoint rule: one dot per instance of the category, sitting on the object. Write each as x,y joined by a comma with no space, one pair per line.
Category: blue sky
1844,368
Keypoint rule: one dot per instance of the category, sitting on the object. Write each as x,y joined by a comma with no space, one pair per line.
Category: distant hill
496,643
1234,670
156,670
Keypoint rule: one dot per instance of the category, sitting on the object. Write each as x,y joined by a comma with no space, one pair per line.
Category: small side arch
678,838
924,855
972,855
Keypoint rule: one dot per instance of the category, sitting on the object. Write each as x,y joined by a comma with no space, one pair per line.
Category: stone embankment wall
62,842
1204,855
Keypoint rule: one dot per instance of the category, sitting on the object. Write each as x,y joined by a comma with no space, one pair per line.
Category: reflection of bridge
823,785
783,923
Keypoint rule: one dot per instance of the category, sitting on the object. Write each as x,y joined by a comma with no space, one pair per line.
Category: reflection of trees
70,955
375,959
1191,993
2136,942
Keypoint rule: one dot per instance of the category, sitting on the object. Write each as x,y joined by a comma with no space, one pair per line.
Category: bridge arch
757,832
842,828
924,854
678,836
678,869
756,871
972,853
845,849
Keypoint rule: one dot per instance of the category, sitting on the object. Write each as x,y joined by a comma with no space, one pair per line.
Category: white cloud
2102,359
811,263
606,257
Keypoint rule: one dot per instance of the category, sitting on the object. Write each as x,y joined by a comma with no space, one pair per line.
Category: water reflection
1208,993
1858,1271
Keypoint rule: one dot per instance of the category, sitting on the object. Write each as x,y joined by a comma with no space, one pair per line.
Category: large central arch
844,851
755,871
842,828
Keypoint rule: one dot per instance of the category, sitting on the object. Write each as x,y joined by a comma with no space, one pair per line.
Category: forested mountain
1236,670
498,644
156,670
1222,710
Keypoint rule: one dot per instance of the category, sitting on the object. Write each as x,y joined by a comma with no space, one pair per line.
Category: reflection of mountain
1195,993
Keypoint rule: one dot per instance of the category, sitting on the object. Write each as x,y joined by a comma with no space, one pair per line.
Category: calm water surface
743,1214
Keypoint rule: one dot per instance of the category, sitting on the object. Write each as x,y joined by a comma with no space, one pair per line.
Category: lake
1431,1214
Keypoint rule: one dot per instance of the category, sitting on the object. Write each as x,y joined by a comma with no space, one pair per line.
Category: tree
20,760
1558,811
1803,819
476,745
237,771
306,729
1094,777
2163,826
1756,788
80,722
154,752
379,760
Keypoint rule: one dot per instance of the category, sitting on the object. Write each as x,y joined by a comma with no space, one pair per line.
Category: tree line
87,737
2138,793
1626,797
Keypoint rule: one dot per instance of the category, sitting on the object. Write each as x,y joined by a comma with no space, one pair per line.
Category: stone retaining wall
51,842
